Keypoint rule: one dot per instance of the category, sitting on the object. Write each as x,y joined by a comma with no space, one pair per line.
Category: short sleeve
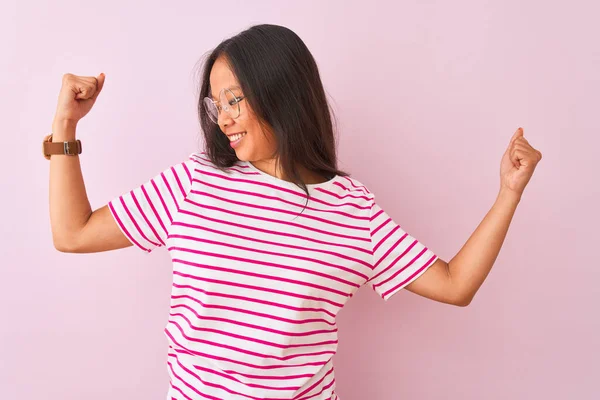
145,213
398,258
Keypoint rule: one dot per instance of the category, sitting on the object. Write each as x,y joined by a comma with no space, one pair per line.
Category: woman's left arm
461,278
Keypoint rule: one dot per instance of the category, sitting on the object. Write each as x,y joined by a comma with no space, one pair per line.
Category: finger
513,157
83,90
517,157
85,87
523,156
518,133
521,139
524,147
512,140
535,151
99,84
527,147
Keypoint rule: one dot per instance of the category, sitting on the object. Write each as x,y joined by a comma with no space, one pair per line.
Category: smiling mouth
236,136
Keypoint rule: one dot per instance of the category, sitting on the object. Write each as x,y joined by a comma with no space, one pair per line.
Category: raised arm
458,281
75,228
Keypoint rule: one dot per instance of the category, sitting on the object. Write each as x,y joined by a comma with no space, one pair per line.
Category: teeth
233,138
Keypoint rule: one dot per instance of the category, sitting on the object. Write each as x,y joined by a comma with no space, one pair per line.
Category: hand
518,163
77,96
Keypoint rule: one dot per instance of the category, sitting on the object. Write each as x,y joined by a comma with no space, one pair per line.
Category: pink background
428,96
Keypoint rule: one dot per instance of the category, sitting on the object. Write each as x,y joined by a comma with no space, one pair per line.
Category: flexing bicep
100,233
141,216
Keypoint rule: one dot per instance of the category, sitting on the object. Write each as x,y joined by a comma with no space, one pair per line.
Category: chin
241,155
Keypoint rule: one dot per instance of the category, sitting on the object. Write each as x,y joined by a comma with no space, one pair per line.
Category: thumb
518,132
515,135
100,85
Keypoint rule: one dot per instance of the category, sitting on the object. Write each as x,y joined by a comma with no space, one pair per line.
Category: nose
223,118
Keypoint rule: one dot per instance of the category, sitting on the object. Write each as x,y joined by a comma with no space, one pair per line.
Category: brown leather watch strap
68,148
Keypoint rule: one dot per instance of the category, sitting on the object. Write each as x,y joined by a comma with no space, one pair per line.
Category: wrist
63,130
60,121
509,196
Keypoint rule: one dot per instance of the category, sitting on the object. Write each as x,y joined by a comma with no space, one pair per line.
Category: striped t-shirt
257,285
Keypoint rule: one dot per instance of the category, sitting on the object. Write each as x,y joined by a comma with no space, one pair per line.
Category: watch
69,148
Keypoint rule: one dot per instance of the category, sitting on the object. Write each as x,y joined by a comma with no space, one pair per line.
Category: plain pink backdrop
428,95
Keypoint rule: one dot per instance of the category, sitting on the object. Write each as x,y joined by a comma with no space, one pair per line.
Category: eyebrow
231,87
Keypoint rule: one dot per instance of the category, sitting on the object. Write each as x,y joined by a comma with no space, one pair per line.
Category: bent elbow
463,302
62,248
63,245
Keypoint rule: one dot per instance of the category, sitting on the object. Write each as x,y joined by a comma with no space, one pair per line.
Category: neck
270,167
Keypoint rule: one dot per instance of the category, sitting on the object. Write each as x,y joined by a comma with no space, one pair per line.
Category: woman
268,238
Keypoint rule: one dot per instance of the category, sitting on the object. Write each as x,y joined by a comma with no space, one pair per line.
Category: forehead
221,77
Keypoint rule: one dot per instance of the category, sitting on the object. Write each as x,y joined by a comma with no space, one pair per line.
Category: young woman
268,238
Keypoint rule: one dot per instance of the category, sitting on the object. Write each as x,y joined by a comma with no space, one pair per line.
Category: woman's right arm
75,228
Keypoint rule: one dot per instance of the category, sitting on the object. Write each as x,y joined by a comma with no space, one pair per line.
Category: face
256,146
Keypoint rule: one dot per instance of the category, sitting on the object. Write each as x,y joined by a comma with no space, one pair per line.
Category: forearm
472,264
69,205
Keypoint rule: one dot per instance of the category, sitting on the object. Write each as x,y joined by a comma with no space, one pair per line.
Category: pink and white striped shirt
257,285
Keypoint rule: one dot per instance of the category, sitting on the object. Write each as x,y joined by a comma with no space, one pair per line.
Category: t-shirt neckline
279,181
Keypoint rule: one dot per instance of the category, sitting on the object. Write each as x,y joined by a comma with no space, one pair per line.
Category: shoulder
201,162
352,187
183,170
346,194
198,161
362,194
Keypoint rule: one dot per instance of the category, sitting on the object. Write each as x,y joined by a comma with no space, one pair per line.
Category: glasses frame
238,99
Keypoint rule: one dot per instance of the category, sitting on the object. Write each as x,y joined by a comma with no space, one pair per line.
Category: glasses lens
211,109
230,103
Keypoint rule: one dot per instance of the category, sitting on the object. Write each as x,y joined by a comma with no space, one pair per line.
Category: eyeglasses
231,105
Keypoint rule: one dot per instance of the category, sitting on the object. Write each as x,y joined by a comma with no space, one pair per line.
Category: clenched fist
77,96
518,163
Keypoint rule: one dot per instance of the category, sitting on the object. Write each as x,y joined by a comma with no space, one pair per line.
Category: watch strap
71,148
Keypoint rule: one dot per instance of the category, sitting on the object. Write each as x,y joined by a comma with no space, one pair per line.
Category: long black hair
280,80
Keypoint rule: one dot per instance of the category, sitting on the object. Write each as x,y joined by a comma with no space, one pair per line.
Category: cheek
261,141
252,126
251,123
